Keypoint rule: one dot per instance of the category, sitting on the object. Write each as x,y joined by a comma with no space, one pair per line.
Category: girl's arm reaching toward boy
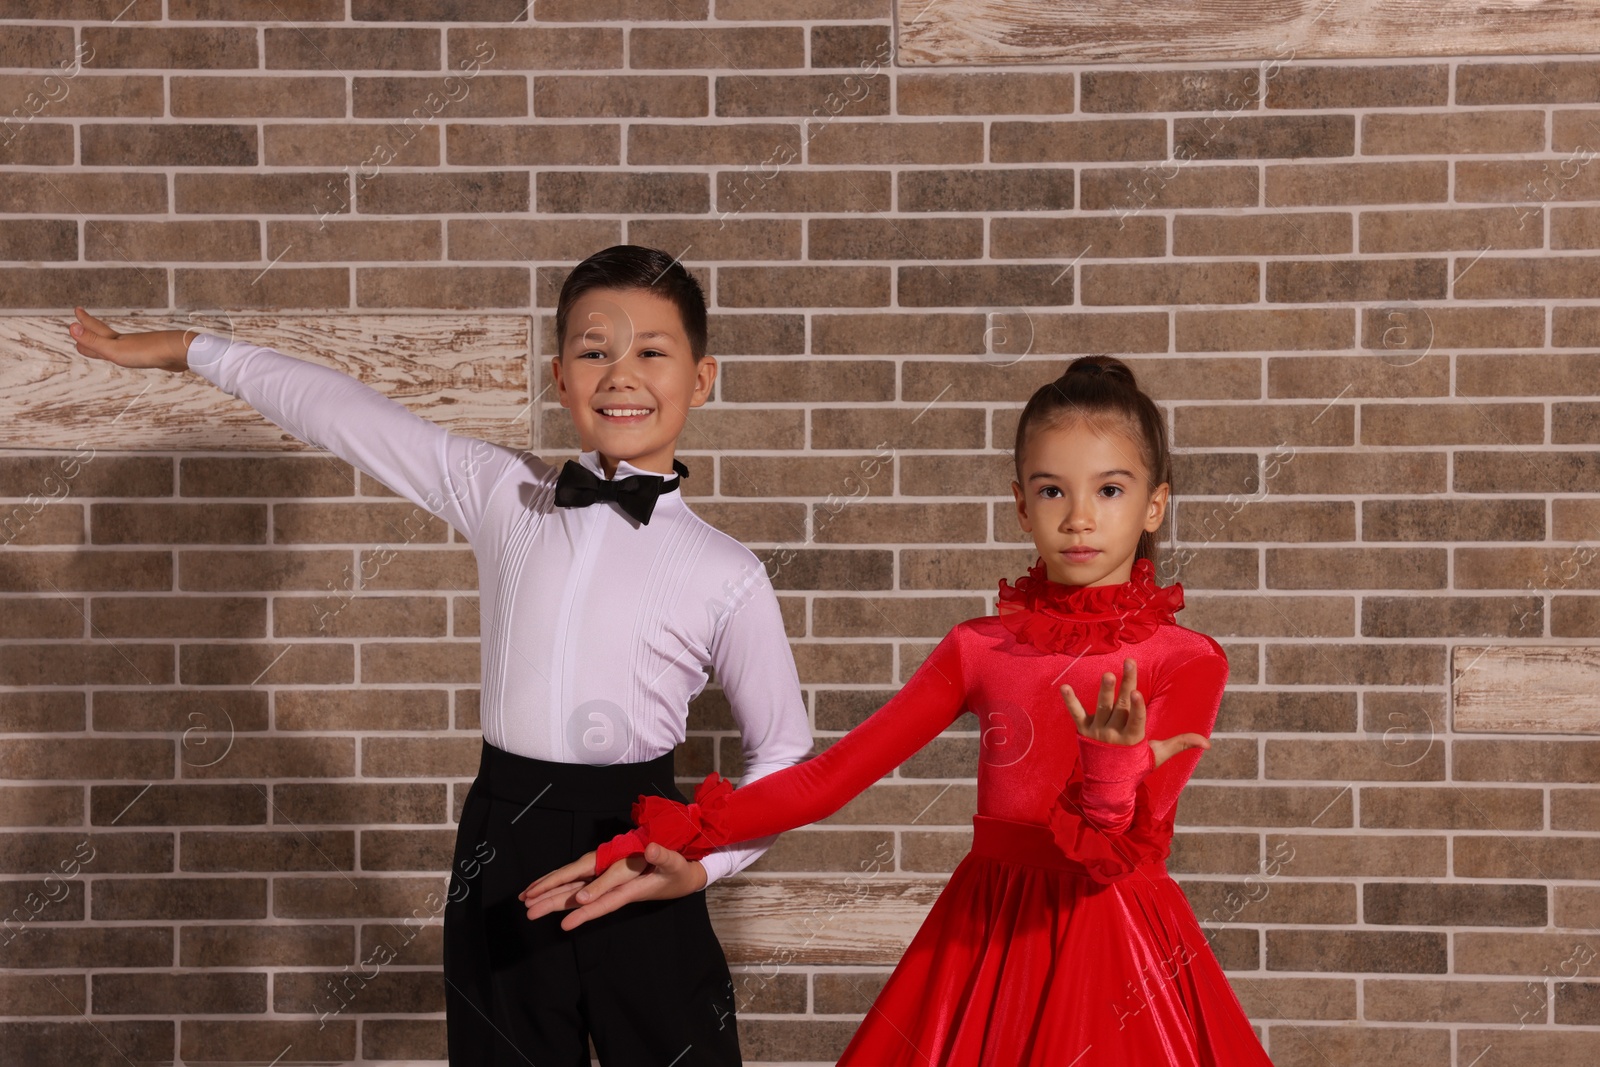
444,473
928,703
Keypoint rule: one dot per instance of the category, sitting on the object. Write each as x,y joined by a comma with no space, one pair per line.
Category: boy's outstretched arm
444,473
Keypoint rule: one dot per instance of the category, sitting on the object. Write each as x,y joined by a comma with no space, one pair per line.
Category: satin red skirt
1026,961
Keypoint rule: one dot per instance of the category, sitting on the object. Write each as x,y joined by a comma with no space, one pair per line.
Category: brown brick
974,570
1099,141
1262,805
1327,280
101,95
191,994
1540,81
38,144
1400,331
514,47
340,240
1353,761
1295,998
83,1042
214,240
1263,136
1525,761
180,898
332,1039
1273,329
49,238
804,286
176,805
1413,1000
339,49
1415,904
1273,233
257,945
1249,712
1454,133
1332,664
1327,855
984,93
614,96
243,664
1356,183
1369,951
213,47
1452,520
1356,568
1010,189
301,193
1352,86
344,804
900,238
238,97
1449,229
1266,900
442,287
1526,184
110,193
279,288
1561,277
763,145
1170,283
894,616
1293,424
848,142
39,47
861,46
1009,286
1575,327
1170,90
1401,374
414,101
179,616
1094,237
32,287
1130,190
1344,473
802,191
888,335
825,96
1456,424
1294,1045
578,192
896,428
1493,472
1288,520
663,48
1542,858
255,10
42,711
1572,227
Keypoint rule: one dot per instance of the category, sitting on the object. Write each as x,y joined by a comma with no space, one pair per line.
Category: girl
1060,939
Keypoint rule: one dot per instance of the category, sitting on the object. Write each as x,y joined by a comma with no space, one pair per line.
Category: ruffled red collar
1087,619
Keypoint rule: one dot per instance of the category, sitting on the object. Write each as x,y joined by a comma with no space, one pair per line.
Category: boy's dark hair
637,267
1102,390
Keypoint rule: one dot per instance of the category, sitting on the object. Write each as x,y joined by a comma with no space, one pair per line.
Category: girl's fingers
91,324
1168,747
1136,717
1074,707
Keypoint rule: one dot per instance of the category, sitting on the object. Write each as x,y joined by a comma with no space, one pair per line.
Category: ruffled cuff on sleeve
1109,856
1110,774
693,829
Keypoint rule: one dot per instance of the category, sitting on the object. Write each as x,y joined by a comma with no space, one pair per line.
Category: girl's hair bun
1106,367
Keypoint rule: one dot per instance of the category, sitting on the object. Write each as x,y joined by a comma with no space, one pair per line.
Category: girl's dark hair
1102,390
637,267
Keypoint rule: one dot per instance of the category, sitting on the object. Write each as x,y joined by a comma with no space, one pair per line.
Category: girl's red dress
1059,939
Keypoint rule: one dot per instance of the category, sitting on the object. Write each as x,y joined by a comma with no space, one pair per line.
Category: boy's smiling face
628,376
1084,497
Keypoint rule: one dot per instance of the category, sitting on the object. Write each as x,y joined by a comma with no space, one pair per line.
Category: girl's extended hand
660,874
1119,718
160,349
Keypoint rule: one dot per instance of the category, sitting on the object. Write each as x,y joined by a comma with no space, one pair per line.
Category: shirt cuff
205,356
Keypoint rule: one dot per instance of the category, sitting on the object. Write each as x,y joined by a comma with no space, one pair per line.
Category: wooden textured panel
468,373
857,919
1034,31
1505,689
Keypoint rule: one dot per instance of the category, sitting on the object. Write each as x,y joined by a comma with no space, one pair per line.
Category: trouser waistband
573,786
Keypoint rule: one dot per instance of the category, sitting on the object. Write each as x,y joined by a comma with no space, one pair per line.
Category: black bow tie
578,487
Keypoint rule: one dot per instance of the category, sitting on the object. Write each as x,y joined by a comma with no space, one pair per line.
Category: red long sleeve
1186,701
810,790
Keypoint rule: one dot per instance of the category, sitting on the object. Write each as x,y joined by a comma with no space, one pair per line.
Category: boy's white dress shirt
597,631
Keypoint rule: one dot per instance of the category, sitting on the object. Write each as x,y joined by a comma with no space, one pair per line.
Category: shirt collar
669,498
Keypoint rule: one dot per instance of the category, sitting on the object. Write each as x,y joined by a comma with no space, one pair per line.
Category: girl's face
1084,498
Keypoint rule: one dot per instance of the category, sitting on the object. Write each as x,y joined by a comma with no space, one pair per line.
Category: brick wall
1365,291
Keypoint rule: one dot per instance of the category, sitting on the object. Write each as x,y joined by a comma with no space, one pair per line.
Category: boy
604,600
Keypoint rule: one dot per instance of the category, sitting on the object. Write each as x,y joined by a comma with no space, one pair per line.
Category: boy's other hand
159,349
659,874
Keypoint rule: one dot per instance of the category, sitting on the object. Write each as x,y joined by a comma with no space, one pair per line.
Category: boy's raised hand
660,874
1119,718
160,349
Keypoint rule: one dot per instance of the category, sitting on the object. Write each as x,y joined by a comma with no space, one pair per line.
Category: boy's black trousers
648,982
